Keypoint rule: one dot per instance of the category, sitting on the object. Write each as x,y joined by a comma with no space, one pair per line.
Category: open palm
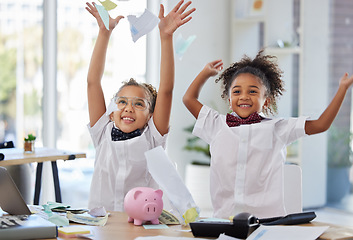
176,18
91,8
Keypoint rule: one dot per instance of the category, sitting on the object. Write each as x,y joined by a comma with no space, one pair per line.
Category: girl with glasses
135,121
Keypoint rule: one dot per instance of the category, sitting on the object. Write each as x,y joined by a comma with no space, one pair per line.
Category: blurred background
45,49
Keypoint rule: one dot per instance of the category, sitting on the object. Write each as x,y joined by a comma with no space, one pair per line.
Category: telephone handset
244,224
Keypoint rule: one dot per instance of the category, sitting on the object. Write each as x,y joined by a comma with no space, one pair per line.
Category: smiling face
129,119
247,95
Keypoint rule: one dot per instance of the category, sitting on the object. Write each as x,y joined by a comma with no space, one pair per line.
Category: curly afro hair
149,89
262,66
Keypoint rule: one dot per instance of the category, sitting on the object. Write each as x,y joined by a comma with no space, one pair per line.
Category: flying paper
108,5
142,25
104,15
112,107
167,177
181,45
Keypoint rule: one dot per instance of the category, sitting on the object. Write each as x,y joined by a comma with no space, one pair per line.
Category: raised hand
213,68
346,80
91,8
176,18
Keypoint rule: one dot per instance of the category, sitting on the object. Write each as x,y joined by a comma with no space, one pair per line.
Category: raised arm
191,95
96,102
167,26
325,120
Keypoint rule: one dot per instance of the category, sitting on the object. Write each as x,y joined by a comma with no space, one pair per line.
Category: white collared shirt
120,165
247,162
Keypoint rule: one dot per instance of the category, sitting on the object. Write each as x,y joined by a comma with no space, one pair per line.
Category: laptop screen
11,200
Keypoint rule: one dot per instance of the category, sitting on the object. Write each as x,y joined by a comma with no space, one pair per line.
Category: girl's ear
148,118
266,103
111,116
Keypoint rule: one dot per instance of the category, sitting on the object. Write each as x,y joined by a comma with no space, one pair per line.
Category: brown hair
262,66
149,89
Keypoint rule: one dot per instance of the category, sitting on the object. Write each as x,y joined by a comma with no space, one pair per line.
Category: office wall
315,64
210,24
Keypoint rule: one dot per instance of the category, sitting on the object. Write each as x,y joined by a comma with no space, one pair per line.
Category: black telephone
244,224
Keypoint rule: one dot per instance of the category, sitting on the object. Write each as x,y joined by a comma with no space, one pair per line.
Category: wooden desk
16,156
335,232
117,227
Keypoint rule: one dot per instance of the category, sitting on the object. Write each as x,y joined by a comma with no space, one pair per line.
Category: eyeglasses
139,104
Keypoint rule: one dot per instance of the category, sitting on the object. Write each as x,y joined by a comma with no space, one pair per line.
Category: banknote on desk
86,218
168,218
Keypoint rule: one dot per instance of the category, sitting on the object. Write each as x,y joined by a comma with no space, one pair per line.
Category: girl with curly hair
248,148
136,120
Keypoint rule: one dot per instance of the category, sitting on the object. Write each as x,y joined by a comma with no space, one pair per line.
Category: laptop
11,200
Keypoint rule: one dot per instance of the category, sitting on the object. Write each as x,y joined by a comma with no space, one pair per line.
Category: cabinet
299,39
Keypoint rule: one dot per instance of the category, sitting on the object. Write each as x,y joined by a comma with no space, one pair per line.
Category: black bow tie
118,135
233,121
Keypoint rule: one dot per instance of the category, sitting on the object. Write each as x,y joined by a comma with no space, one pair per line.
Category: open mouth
244,105
128,119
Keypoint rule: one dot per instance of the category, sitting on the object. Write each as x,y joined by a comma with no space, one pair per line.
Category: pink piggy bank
143,204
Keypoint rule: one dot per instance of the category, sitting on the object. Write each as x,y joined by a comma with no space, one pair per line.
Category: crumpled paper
98,212
57,219
112,107
142,25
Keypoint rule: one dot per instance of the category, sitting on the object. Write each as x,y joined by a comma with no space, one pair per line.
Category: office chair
293,188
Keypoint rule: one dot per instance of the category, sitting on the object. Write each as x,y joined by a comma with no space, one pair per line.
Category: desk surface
117,227
16,156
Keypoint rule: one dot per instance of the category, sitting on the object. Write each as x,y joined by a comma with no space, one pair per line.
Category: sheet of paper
225,237
167,177
221,237
103,13
155,226
181,45
287,232
142,25
166,238
112,107
108,5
